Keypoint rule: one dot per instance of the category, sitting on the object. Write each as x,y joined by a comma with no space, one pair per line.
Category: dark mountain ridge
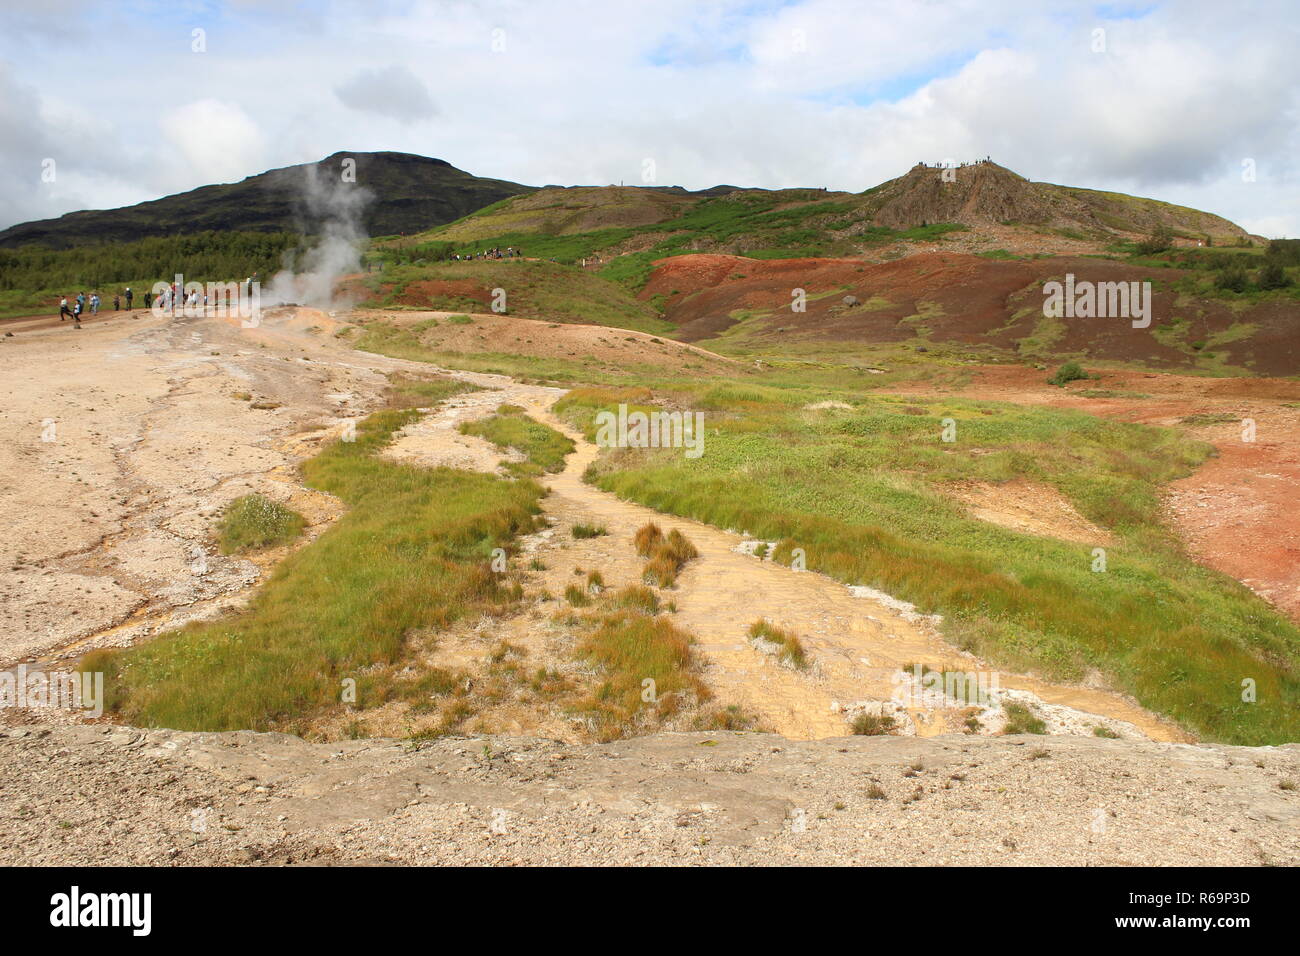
407,193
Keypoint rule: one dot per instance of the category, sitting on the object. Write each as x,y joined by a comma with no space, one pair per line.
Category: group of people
493,253
83,302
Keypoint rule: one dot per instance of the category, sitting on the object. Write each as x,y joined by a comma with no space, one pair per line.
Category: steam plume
330,207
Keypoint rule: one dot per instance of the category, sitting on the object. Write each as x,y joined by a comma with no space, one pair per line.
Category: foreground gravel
86,795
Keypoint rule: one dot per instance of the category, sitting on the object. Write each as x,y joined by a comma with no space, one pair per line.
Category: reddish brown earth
952,297
1237,512
421,292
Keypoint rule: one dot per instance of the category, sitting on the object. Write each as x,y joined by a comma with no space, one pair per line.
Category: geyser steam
330,208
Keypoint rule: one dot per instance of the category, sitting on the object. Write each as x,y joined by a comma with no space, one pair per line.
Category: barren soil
108,795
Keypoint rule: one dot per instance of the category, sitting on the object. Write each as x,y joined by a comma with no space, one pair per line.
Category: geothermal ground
129,436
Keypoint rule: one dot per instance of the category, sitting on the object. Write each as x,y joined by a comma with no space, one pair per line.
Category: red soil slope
950,297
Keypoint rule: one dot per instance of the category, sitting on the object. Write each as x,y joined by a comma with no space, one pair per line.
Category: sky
104,104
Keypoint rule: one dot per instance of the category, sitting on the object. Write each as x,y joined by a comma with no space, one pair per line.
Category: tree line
203,256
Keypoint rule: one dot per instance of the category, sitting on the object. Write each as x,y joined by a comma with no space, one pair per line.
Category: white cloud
392,91
582,91
218,141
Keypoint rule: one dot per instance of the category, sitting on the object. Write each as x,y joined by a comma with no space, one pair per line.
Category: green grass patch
543,447
254,522
413,551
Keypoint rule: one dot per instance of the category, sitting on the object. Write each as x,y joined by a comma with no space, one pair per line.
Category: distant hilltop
953,164
409,192
981,193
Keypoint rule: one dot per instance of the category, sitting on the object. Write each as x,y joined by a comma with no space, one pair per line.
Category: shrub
1273,276
1161,238
1232,279
1069,372
1021,720
873,725
1284,251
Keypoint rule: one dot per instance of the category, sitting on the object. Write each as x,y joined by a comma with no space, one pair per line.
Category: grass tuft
648,667
254,522
1022,720
790,650
668,555
647,539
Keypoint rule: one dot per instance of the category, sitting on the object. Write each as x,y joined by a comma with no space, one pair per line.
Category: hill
410,193
973,208
570,210
984,193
